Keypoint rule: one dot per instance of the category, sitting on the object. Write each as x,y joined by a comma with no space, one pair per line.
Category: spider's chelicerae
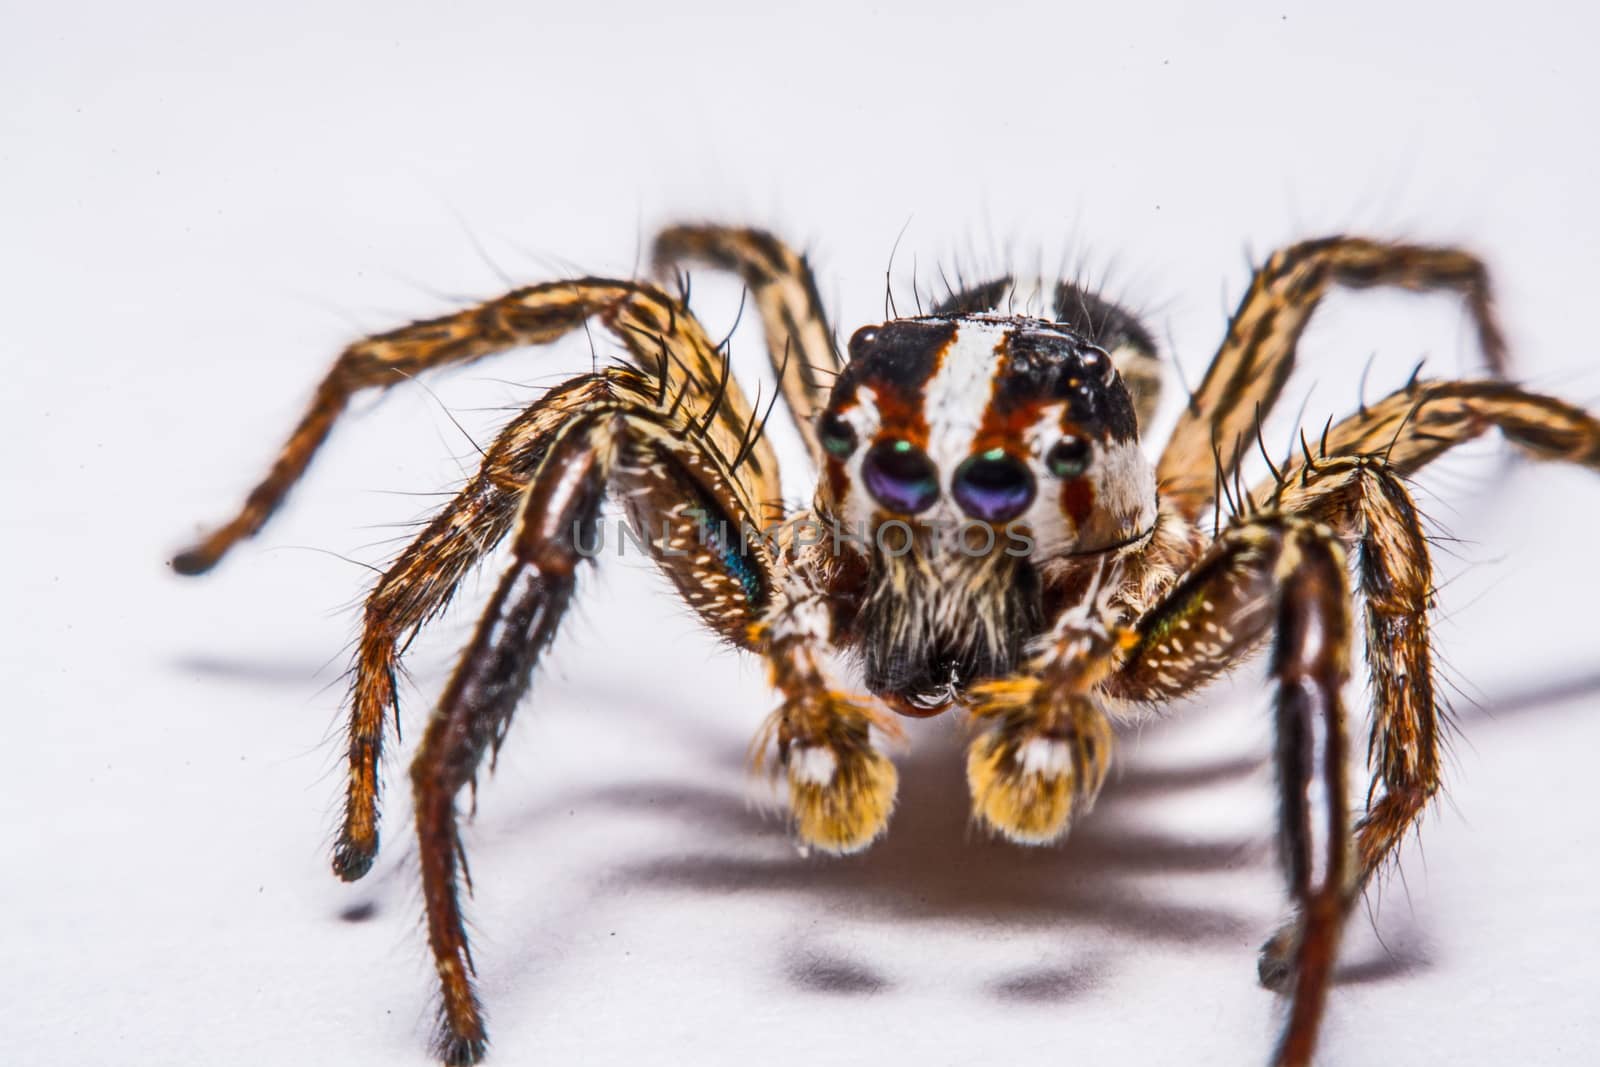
992,537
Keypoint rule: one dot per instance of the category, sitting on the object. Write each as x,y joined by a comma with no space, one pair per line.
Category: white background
200,203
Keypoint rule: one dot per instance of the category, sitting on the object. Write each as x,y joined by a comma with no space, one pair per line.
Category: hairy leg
1281,576
1249,370
681,489
841,790
1373,511
1046,745
1357,485
660,335
799,340
682,493
1353,481
1415,425
423,579
477,705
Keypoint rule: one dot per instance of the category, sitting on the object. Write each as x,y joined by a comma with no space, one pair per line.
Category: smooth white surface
201,203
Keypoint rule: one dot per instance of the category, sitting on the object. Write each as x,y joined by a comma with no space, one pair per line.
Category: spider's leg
681,491
1047,747
1401,433
1250,368
649,322
1367,502
423,579
1358,487
1415,425
841,789
709,460
799,340
1279,575
562,506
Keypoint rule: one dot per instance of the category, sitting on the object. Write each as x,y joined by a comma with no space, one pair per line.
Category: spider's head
978,422
966,450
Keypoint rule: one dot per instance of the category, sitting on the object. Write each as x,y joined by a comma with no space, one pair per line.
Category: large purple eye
901,476
993,486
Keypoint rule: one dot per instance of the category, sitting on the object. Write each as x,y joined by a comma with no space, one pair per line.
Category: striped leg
681,493
1355,481
656,330
1249,371
422,581
698,456
475,711
799,340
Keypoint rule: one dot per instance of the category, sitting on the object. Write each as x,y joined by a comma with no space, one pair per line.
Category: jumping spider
1133,593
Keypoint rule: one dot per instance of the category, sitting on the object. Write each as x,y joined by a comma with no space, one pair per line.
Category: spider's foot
461,1039
192,561
202,556
457,1051
1035,767
352,859
841,790
1275,965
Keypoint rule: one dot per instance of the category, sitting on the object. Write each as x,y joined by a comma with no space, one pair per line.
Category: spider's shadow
1113,874
931,865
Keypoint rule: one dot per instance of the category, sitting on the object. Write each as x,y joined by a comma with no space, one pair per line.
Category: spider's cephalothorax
961,450
986,532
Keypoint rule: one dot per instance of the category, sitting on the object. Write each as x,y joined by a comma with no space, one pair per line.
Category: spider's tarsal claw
1038,766
1275,965
196,560
457,1051
209,550
351,861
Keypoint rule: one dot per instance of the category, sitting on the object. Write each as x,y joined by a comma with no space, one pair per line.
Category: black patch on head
1099,321
976,299
900,356
1045,364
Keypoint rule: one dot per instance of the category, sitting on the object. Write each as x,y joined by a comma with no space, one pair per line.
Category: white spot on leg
1045,757
814,764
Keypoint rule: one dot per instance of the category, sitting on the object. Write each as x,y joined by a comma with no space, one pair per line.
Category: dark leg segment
422,581
1310,663
1355,482
476,707
1283,576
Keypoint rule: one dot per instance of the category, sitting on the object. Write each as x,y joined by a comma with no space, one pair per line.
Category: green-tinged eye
1068,457
837,436
900,476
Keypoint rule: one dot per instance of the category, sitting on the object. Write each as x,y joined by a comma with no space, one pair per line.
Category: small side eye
838,437
1096,364
1068,457
862,338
